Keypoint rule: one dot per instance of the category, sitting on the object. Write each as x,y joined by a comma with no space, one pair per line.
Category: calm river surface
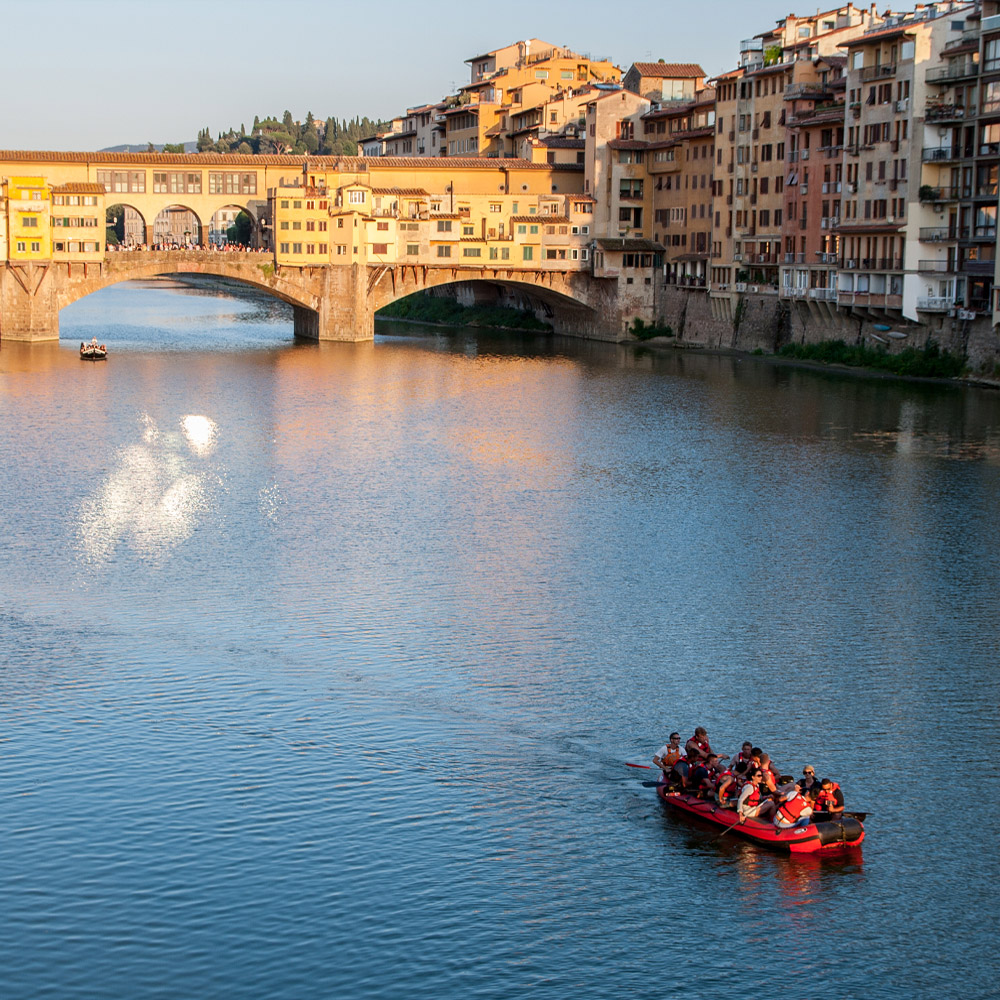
320,664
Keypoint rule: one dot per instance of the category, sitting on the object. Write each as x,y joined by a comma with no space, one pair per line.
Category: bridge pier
29,310
345,312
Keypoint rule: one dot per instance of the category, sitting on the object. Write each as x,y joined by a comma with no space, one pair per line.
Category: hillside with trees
270,135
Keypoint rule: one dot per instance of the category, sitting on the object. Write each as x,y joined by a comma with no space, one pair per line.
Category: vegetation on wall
927,362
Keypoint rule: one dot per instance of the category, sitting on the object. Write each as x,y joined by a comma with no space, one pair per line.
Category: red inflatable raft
826,835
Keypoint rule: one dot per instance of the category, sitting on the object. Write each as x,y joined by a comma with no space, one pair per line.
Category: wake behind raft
826,835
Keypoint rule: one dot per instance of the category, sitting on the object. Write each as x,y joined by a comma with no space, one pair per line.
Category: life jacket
701,745
671,756
791,810
825,797
753,798
720,777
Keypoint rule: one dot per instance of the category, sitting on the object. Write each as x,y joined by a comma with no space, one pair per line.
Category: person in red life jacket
698,744
668,754
679,778
725,785
704,777
743,757
750,804
794,808
770,775
830,800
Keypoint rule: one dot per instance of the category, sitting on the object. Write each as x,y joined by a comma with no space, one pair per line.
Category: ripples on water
321,663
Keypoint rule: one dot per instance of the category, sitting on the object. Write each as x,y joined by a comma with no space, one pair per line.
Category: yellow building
78,222
468,213
28,204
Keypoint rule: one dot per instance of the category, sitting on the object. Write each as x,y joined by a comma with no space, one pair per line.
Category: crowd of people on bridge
208,248
750,783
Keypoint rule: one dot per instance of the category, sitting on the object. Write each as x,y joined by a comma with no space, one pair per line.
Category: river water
320,664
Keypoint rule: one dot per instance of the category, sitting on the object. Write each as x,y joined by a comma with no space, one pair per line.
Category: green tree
241,230
205,144
173,147
115,220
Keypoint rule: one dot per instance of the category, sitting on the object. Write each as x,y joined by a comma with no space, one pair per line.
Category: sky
135,71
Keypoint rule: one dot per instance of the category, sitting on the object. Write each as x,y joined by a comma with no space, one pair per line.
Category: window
323,248
310,226
296,248
356,197
283,224
382,226
380,249
444,225
505,253
160,185
527,253
471,252
468,230
283,247
296,224
444,251
232,182
412,249
30,221
310,248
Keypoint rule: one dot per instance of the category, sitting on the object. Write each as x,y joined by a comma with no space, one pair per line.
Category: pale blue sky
170,67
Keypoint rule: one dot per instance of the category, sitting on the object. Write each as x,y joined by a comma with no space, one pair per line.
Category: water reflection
151,498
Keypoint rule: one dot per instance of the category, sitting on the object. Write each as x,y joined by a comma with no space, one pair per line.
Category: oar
645,767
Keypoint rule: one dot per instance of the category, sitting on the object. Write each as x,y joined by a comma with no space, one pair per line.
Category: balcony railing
869,73
978,266
826,258
936,303
823,294
788,292
936,267
939,154
795,258
929,193
941,234
831,187
944,113
957,69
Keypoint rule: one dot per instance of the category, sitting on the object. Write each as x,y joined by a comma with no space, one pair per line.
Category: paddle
645,767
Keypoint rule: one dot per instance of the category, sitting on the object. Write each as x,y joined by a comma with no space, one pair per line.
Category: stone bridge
330,302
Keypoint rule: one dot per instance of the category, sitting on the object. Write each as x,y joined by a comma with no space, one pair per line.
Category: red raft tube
826,835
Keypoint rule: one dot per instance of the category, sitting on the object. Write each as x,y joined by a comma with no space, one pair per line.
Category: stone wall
747,322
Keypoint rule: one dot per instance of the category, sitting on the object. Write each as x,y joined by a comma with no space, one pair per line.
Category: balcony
936,267
978,267
941,234
936,303
958,69
944,113
795,258
928,193
788,292
826,258
940,155
823,294
831,187
869,73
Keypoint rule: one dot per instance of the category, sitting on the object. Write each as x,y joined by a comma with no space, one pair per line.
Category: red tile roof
669,70
78,188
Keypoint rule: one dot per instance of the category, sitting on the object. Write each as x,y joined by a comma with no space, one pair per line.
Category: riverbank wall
747,321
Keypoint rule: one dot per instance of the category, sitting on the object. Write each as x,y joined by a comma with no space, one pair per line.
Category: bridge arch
178,225
253,269
570,301
128,223
226,217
